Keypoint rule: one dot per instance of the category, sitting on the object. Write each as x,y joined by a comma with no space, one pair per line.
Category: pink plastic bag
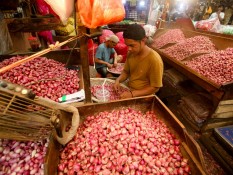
42,7
47,36
92,47
120,36
105,34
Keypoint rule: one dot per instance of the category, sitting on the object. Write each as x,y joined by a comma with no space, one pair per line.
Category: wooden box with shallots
135,136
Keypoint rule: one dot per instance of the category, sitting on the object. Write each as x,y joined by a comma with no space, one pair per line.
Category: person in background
228,14
208,11
219,14
103,58
143,67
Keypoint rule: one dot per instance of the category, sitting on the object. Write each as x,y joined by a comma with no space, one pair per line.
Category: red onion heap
107,92
46,77
118,69
123,142
185,48
217,66
171,36
17,158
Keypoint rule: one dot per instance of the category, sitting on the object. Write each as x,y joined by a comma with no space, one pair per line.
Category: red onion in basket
122,142
46,77
25,158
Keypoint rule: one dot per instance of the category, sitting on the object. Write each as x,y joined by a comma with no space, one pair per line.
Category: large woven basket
102,81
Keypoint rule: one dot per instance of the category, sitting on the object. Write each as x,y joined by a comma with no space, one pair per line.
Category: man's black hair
134,32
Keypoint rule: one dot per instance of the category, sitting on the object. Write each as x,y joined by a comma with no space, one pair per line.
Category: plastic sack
47,36
209,25
121,49
66,30
226,29
94,13
92,47
63,8
120,36
42,7
105,34
150,30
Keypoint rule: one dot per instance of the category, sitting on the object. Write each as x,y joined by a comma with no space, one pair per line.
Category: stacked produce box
204,58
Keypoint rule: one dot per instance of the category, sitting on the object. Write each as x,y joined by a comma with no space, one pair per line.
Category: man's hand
115,65
116,85
126,94
109,65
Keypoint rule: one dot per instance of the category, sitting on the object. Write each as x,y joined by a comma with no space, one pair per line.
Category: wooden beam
85,64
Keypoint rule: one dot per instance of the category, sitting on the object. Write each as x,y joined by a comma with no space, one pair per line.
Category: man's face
134,47
112,44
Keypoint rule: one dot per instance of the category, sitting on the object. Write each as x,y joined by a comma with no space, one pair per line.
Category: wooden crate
189,148
60,56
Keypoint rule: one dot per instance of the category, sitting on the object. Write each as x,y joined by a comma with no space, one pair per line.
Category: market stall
134,136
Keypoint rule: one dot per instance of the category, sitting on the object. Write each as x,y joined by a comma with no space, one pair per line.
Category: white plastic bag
212,25
150,30
63,8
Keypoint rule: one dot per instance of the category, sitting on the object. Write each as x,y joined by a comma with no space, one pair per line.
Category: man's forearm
122,77
145,91
115,58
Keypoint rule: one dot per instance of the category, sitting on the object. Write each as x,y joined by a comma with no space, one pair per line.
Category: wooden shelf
221,43
221,95
32,24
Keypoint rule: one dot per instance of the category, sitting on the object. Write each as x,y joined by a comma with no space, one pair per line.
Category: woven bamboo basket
24,116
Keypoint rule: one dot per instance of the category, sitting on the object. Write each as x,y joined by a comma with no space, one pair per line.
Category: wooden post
85,64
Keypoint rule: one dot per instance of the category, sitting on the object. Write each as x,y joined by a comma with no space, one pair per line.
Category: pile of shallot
118,69
22,158
171,36
124,141
46,77
193,45
106,92
217,66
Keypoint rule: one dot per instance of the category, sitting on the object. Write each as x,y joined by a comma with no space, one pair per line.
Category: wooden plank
32,24
226,102
225,108
223,115
211,125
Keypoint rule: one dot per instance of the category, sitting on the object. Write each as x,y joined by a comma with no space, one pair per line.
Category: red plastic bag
121,49
94,13
92,47
105,34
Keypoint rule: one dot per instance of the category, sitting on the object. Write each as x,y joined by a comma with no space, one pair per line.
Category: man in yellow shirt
143,67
